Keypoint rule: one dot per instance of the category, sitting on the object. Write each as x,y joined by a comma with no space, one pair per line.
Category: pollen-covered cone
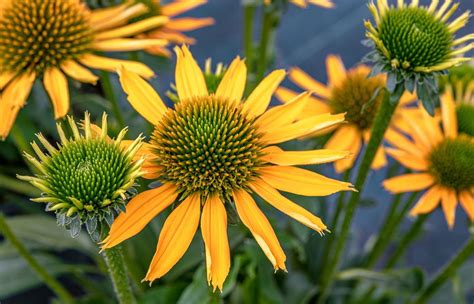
63,39
212,150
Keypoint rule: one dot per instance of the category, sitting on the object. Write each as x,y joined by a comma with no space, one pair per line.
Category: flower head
88,177
210,152
443,160
49,39
414,43
461,80
351,92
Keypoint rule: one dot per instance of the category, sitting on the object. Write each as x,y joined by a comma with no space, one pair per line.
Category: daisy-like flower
52,39
351,92
210,152
304,3
461,80
87,178
414,43
443,160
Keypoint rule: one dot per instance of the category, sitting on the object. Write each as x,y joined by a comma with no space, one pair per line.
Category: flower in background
351,92
210,153
304,3
461,80
63,38
443,160
414,44
87,178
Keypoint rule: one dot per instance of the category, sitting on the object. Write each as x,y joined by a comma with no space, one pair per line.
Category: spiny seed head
452,163
37,34
465,117
87,179
355,97
207,145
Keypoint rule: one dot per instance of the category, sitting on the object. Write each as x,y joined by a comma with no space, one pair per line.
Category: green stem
18,186
406,240
340,202
119,275
48,279
249,14
110,96
267,28
446,272
381,123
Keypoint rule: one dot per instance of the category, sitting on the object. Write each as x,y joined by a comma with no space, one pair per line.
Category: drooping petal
427,202
188,24
449,203
179,7
261,96
305,81
346,138
126,44
336,70
78,72
139,212
301,181
448,110
409,182
56,85
408,160
142,96
314,106
214,233
233,82
190,80
274,198
5,78
133,28
277,156
262,231
106,18
467,202
9,113
112,65
19,89
322,3
175,237
403,143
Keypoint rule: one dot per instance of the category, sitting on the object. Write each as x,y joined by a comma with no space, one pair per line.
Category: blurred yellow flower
304,3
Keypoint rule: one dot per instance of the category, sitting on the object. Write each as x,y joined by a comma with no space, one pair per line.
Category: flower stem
446,272
249,14
119,275
406,240
268,25
48,279
110,96
381,123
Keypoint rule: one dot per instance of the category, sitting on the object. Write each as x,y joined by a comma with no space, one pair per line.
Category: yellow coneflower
351,92
210,153
304,3
443,160
50,39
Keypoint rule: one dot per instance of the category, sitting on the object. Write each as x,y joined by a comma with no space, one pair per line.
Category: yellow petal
300,3
347,138
5,78
254,219
179,7
78,72
19,89
214,233
56,85
133,28
448,110
142,96
149,167
303,127
261,96
380,159
336,70
409,182
9,113
313,107
106,18
274,198
188,24
305,81
301,181
126,44
138,213
112,65
322,3
467,202
190,80
428,202
403,143
277,156
449,203
175,237
408,160
232,85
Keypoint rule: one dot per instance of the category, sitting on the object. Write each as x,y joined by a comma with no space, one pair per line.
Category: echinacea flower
413,44
351,92
210,152
304,3
52,39
443,161
88,177
461,80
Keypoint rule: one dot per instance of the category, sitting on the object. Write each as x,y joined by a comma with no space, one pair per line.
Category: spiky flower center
465,117
207,145
37,34
414,37
452,163
355,97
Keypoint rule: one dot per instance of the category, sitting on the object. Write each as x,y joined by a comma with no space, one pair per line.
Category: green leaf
163,294
198,291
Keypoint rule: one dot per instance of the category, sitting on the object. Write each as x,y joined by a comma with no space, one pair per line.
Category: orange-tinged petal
428,201
262,231
305,81
233,82
449,203
467,202
277,156
408,160
78,72
5,78
56,85
214,233
274,198
301,181
142,96
19,89
102,19
314,106
126,44
403,143
336,70
347,138
9,113
175,237
133,28
380,159
179,7
409,182
261,96
112,65
322,3
448,111
139,212
188,24
190,80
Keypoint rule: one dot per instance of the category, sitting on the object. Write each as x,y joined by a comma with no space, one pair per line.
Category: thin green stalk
406,240
110,96
249,14
381,123
18,186
267,28
119,275
466,252
48,279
